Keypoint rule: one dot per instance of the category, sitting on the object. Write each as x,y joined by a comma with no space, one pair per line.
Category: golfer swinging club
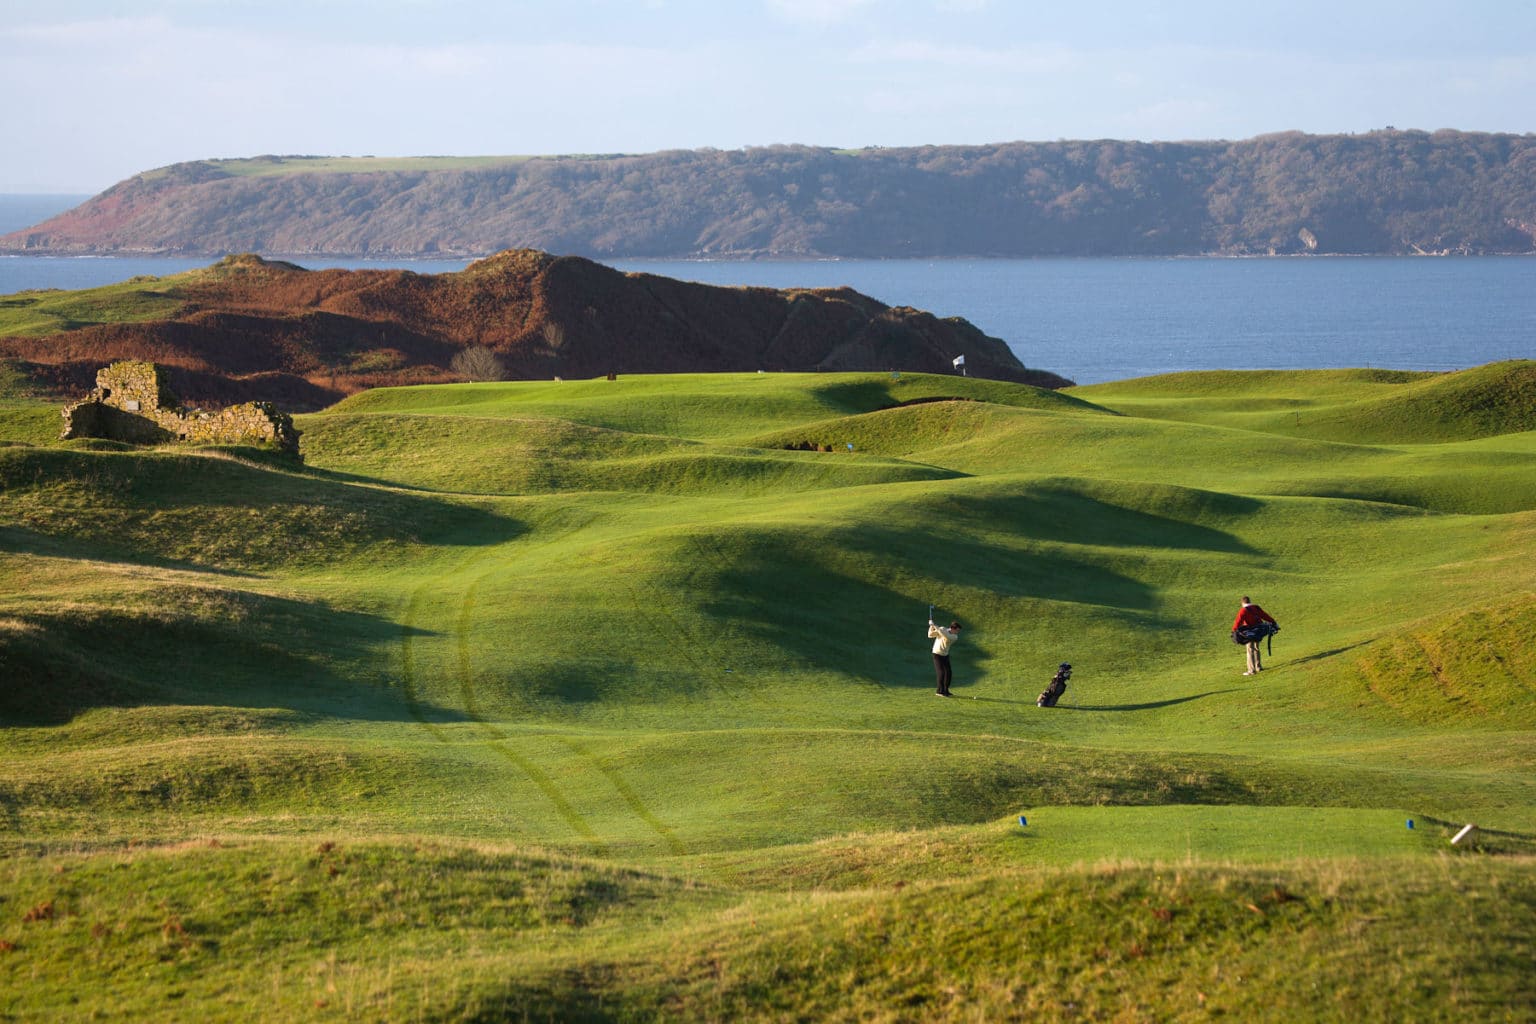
942,639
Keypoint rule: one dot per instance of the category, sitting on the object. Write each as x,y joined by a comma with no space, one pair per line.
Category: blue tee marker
1023,821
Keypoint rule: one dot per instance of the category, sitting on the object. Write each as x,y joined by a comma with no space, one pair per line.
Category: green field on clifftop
609,701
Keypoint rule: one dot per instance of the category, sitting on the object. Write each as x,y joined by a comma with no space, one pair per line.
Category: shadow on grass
1054,511
1053,575
793,594
1320,655
578,995
341,477
1485,840
19,540
187,511
1148,706
202,647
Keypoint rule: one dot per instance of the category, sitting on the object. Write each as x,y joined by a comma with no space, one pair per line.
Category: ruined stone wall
133,386
132,404
251,423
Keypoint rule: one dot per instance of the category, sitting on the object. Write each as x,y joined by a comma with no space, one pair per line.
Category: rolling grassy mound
1481,402
607,700
1354,406
213,512
1476,666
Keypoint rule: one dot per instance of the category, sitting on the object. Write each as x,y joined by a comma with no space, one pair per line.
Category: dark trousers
941,669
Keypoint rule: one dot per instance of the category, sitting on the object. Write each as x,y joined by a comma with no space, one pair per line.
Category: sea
1090,320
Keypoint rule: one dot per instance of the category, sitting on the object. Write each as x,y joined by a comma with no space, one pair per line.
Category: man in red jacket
1251,614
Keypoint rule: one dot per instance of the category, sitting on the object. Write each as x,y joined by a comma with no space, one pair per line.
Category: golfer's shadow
1150,705
1328,654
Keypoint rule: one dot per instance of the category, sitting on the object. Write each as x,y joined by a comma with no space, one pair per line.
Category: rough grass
1476,666
213,511
341,930
592,701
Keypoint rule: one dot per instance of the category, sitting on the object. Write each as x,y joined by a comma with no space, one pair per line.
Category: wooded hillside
1385,192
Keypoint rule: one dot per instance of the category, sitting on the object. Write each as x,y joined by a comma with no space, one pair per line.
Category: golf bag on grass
1057,686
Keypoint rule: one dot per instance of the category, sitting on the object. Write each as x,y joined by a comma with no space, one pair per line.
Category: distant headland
1385,192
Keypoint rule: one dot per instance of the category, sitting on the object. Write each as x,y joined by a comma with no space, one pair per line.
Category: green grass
1384,406
602,700
24,421
35,314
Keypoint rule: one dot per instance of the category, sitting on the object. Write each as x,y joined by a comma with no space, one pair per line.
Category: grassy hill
610,700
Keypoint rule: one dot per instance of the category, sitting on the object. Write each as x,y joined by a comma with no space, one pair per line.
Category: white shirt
943,637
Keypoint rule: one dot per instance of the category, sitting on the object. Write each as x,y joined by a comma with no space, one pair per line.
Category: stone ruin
131,403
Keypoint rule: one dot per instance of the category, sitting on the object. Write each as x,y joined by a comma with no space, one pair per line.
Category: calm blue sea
1090,320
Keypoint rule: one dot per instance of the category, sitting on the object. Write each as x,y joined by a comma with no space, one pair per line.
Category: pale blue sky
98,90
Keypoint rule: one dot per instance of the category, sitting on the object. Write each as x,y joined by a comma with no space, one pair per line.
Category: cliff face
1382,192
308,337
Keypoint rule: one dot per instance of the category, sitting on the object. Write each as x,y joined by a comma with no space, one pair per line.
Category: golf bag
1057,686
1256,632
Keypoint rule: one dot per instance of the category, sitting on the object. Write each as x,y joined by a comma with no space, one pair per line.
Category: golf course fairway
611,700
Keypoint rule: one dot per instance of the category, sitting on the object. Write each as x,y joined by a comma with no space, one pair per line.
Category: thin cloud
1042,59
83,92
816,12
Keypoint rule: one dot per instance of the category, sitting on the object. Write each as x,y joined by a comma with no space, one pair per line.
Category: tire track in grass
542,781
708,551
472,706
653,610
629,796
493,738
658,608
712,554
408,692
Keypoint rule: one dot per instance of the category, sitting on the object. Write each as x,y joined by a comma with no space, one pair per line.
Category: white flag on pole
959,361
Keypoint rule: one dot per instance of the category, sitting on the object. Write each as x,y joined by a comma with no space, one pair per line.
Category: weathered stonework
132,404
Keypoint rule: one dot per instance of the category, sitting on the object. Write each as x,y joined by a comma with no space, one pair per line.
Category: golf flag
959,361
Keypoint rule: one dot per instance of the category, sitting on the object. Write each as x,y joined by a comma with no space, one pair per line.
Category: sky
96,91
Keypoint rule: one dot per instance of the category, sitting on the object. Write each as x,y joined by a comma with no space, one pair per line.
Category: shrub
478,363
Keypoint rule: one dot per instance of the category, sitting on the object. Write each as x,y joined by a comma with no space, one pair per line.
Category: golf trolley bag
1057,686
